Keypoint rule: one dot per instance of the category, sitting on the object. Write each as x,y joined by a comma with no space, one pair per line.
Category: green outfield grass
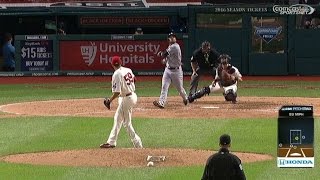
35,134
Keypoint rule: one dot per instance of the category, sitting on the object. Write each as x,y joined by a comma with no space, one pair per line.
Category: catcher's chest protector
224,82
230,70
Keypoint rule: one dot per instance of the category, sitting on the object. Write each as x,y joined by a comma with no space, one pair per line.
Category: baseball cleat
185,102
190,99
157,104
107,145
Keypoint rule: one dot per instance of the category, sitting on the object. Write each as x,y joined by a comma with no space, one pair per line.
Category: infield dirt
210,107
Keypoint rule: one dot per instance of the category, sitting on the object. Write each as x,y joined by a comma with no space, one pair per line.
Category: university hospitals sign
140,55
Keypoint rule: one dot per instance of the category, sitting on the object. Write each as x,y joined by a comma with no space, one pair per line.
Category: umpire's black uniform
206,63
223,165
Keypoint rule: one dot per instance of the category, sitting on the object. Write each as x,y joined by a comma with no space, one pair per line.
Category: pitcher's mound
129,157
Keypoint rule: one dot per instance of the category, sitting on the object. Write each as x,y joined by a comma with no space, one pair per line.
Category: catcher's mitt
226,77
107,103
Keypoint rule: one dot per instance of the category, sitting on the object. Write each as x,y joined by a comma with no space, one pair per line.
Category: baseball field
51,128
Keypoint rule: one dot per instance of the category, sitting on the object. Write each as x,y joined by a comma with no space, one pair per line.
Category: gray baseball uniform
172,73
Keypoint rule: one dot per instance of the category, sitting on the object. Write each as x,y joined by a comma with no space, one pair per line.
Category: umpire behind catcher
223,164
203,61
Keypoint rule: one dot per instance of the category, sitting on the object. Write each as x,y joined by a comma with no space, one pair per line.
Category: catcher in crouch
226,79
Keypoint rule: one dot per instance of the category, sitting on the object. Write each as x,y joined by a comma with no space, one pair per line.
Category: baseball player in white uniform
172,73
229,87
123,87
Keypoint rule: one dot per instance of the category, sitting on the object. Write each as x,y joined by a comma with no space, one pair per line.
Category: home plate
210,107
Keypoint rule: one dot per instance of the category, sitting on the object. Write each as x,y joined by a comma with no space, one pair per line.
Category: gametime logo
293,9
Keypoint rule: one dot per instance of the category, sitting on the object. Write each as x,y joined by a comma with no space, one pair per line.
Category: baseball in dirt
150,164
149,158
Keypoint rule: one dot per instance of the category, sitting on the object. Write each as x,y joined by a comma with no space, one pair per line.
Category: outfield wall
75,55
260,41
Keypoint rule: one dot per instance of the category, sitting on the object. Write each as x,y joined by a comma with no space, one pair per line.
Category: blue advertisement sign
268,33
36,54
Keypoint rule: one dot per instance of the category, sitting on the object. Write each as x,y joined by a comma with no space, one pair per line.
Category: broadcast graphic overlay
295,136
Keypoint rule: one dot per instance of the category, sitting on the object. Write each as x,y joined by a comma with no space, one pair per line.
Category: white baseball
150,164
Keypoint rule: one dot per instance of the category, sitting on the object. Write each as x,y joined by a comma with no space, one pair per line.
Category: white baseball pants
123,117
224,89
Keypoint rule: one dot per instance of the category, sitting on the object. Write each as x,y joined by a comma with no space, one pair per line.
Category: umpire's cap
172,34
116,61
225,139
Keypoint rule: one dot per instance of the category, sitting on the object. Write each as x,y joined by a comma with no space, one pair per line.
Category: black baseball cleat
185,102
107,145
234,102
157,104
190,99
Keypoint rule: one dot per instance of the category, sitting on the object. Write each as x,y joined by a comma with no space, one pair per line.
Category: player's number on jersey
128,78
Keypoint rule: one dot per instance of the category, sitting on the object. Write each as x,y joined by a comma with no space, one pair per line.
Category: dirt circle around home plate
210,107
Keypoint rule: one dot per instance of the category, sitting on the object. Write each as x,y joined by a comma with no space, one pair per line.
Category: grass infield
35,134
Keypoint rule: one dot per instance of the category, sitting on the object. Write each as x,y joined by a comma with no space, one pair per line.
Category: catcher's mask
224,59
230,95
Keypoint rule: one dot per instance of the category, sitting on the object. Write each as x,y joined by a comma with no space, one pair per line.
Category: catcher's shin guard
199,94
230,95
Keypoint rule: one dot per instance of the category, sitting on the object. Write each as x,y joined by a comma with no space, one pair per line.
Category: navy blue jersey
223,166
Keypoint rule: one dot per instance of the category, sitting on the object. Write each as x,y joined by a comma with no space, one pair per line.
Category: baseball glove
107,103
226,77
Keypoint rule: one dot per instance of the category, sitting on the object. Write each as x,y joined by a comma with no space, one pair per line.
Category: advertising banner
140,55
74,3
119,4
36,53
268,33
122,20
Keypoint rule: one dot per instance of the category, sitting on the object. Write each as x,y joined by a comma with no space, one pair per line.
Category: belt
126,95
172,68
